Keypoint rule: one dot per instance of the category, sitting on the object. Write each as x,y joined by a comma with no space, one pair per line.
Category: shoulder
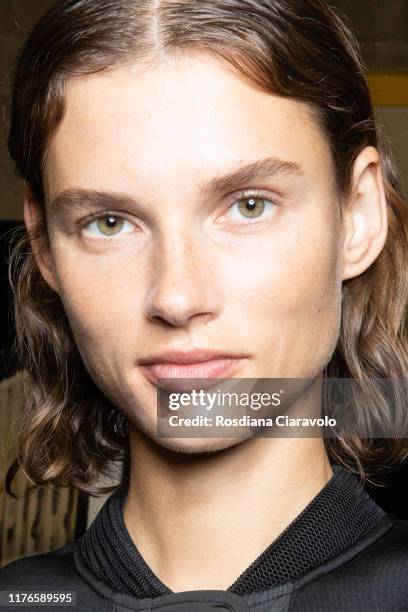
372,574
53,569
395,539
385,556
392,546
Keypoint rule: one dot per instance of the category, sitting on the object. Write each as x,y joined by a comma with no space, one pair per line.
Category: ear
365,223
33,218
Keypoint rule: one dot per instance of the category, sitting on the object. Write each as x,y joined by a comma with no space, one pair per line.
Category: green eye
110,225
251,207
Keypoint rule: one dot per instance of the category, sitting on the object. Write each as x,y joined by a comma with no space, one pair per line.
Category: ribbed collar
340,514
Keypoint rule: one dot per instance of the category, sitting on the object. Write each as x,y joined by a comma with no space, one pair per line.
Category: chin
196,446
186,446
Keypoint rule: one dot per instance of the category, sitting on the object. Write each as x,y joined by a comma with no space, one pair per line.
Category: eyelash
256,194
243,195
102,215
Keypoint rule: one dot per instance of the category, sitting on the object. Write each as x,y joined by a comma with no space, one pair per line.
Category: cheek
293,291
295,277
102,309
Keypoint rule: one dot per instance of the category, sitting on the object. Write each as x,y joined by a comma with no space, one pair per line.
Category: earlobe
365,222
33,219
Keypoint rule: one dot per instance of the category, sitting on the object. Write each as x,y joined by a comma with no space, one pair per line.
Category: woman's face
178,258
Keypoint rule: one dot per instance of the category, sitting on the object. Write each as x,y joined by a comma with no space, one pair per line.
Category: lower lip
172,372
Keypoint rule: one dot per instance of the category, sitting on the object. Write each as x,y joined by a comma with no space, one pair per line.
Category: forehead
190,116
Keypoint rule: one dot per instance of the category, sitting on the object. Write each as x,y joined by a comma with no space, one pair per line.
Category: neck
200,520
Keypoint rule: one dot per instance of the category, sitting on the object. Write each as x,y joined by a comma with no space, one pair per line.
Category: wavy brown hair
295,48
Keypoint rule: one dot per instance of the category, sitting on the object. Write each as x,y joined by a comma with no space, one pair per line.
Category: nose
183,287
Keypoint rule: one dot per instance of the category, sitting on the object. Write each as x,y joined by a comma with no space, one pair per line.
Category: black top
341,553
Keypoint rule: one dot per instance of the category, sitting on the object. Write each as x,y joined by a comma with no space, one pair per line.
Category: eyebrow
78,198
259,169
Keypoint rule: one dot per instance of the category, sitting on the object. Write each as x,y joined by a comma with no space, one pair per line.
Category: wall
394,120
382,30
16,18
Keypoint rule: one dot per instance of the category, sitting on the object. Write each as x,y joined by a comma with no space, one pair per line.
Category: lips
198,364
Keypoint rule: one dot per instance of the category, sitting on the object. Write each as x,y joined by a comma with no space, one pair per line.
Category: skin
186,270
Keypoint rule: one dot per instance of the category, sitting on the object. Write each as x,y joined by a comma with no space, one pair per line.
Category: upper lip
196,355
